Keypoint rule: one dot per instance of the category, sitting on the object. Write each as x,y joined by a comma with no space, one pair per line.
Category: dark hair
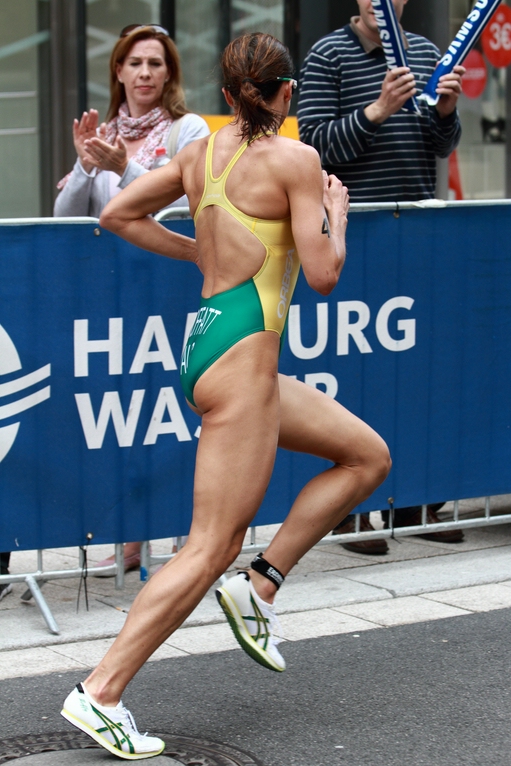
173,97
251,65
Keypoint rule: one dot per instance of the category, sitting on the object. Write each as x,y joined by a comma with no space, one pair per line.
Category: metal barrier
148,560
414,340
35,579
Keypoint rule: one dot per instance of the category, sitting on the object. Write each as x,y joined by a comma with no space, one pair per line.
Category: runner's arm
128,214
319,208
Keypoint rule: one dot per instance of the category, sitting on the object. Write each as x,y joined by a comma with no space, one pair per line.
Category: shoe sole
433,536
353,548
104,743
242,635
112,574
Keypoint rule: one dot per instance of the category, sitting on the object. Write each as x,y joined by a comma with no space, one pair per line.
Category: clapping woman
147,109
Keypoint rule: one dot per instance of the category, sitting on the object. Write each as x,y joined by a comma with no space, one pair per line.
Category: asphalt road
434,694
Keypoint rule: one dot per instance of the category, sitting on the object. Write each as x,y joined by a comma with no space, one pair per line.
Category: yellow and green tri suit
261,303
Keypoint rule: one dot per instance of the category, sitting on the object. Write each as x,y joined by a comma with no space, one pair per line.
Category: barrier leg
145,560
119,560
43,606
27,595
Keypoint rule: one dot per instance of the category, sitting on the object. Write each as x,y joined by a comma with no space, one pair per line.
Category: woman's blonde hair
173,97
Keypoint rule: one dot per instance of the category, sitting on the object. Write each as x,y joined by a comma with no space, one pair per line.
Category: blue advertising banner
95,434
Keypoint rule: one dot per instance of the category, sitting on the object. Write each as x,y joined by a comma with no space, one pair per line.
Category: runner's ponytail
251,66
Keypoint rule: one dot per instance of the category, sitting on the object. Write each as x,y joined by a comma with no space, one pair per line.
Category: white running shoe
252,621
112,727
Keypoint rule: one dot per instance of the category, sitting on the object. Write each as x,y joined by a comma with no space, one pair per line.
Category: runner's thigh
312,422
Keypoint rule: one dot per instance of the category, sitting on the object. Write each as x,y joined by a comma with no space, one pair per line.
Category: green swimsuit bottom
222,321
261,303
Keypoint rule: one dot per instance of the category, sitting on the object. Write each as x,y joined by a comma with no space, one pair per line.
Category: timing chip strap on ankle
265,569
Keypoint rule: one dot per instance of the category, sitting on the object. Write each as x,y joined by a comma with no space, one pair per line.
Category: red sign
497,38
473,82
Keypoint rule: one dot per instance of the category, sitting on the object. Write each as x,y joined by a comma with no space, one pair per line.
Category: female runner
262,208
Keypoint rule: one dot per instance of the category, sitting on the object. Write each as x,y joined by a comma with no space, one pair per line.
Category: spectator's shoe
130,562
252,621
111,727
5,589
415,519
369,547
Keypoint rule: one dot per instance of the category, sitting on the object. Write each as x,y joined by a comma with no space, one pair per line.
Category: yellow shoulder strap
230,164
207,174
209,178
209,159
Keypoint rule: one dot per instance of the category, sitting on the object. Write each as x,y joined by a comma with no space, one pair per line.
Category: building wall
20,42
54,63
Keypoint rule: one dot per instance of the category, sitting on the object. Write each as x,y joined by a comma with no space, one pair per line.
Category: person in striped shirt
350,110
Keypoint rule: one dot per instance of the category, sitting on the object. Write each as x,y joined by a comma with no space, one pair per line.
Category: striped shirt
394,161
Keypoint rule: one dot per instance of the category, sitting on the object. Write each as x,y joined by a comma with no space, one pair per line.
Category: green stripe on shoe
111,726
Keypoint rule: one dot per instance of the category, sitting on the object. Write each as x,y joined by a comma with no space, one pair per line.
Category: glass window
481,154
23,33
105,19
258,16
199,34
202,31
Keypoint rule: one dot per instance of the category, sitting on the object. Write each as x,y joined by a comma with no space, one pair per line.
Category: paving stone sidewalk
331,591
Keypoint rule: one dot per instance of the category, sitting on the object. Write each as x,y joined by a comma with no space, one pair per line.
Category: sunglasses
293,82
133,27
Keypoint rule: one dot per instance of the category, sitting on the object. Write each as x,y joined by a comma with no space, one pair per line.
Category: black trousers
4,562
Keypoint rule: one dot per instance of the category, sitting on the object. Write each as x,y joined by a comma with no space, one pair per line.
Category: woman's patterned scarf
152,126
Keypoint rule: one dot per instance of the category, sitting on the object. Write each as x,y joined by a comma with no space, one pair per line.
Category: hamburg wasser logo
13,398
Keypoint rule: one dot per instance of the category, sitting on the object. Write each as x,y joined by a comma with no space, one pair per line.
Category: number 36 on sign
496,38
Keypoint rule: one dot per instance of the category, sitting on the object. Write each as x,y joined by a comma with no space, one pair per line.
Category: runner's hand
335,199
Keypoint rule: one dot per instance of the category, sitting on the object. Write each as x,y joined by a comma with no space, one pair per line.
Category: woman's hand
107,156
83,130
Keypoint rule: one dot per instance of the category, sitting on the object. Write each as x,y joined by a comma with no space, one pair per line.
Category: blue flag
460,47
392,41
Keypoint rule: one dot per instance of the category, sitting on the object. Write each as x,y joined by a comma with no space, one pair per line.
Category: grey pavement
425,694
391,660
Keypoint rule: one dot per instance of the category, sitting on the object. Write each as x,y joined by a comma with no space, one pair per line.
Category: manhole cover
41,749
89,757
